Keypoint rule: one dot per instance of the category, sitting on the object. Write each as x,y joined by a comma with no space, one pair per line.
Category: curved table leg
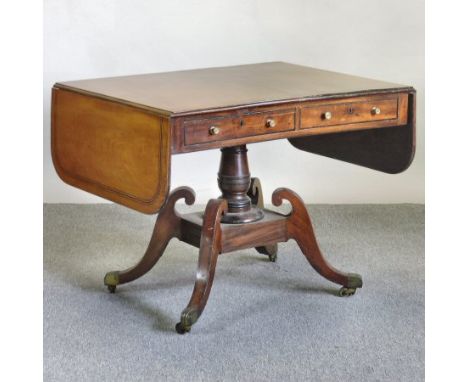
256,196
210,243
299,228
167,226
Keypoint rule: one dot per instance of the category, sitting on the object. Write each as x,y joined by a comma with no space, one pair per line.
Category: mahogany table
114,137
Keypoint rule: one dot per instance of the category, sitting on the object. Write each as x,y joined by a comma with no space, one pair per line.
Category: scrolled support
256,196
167,226
210,247
299,227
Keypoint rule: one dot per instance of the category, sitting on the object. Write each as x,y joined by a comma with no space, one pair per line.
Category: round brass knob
375,110
270,122
214,130
327,115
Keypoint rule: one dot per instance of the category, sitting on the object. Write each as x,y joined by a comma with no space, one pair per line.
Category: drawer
341,113
268,122
223,128
210,129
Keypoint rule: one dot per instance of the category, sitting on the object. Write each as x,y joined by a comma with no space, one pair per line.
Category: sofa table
114,137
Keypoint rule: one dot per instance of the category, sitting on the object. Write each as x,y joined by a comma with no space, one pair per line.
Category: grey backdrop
378,39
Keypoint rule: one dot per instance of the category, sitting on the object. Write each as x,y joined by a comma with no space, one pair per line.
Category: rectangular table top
226,87
114,137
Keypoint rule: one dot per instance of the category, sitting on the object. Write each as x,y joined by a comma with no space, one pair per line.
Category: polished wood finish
199,131
300,119
118,152
216,89
168,226
234,183
267,122
207,232
389,150
299,227
349,112
213,234
255,194
210,248
114,137
265,232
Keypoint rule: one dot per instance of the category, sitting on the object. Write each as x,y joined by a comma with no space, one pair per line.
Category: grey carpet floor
264,321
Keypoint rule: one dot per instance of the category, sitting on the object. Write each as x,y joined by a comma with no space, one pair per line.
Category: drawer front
210,130
333,114
267,122
214,129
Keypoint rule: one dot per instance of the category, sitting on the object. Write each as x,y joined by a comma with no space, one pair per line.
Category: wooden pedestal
237,220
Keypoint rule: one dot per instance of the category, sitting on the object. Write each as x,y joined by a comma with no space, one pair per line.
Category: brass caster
111,280
181,329
346,292
354,281
270,250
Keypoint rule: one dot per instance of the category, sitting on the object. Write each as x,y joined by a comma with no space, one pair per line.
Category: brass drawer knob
270,122
327,115
214,130
375,110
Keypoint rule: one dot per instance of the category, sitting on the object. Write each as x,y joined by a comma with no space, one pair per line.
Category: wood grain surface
210,89
112,150
114,137
390,149
296,119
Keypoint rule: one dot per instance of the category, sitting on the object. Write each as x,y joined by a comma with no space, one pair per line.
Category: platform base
207,232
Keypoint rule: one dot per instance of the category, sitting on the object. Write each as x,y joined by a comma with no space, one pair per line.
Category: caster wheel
270,250
111,280
180,329
347,292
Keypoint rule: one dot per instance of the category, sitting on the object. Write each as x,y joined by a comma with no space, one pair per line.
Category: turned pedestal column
234,183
